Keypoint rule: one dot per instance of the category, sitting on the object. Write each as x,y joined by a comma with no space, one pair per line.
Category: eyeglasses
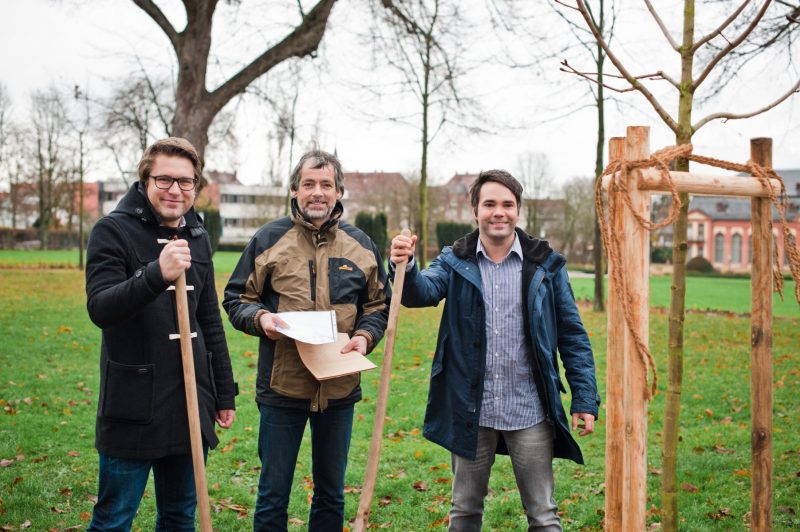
164,182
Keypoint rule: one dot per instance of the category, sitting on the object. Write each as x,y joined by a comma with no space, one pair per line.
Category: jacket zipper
312,274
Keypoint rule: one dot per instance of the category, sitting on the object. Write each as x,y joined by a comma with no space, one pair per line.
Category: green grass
705,293
224,261
48,390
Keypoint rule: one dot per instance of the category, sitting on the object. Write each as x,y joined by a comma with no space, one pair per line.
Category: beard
316,214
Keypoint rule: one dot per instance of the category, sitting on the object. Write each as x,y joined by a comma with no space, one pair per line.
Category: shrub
700,265
661,255
212,221
375,227
449,232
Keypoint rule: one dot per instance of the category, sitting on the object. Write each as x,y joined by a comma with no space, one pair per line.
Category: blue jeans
279,437
121,486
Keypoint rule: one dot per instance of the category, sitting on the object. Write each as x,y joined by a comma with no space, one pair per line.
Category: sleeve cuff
366,334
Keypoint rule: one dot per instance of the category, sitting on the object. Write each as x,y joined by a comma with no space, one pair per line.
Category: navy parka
553,325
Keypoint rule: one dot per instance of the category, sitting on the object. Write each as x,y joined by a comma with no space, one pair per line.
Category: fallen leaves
686,486
420,485
720,514
228,504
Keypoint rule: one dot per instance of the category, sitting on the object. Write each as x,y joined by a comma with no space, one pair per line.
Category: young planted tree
697,69
196,105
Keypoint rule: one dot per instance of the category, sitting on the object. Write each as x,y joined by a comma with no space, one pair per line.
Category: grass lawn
48,390
705,293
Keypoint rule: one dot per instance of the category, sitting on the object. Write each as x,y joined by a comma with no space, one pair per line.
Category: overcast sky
91,42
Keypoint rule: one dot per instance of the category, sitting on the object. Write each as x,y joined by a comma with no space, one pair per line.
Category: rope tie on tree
620,171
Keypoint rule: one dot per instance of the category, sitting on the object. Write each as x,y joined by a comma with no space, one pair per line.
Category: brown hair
496,176
319,159
175,147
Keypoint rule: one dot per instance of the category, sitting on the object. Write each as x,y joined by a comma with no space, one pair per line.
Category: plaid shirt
510,400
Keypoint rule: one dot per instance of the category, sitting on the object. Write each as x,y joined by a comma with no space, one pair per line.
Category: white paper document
311,327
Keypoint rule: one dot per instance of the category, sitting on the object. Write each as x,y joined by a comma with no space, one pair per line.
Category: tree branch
731,45
163,22
304,40
661,25
659,109
727,22
730,116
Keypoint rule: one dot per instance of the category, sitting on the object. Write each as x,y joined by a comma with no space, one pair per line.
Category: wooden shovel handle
371,474
192,409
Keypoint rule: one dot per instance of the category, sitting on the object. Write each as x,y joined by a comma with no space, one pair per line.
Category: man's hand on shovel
175,259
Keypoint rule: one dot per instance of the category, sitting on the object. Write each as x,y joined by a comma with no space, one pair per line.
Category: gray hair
319,159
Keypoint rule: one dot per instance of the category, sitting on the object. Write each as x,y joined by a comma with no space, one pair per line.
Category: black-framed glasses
164,182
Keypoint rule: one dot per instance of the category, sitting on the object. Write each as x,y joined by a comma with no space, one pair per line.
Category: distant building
374,192
720,229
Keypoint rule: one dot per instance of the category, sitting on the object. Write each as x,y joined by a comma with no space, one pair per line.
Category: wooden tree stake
761,349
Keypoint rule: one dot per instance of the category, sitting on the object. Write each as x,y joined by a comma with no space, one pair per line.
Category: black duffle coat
141,412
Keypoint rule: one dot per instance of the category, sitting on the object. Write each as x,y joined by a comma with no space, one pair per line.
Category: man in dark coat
495,381
134,256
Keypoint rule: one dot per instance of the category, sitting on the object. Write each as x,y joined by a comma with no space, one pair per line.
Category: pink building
719,228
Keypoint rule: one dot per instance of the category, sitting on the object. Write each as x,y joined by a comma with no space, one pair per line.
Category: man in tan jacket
309,260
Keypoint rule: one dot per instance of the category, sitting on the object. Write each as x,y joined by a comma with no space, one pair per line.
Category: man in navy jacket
495,377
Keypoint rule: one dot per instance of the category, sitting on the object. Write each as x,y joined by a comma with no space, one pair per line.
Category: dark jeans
279,437
121,485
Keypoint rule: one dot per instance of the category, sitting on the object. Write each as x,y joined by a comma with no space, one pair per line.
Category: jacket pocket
128,392
345,281
340,387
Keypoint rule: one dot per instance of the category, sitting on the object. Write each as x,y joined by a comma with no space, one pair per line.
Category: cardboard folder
325,361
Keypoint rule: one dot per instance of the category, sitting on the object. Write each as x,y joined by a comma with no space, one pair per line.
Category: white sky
90,42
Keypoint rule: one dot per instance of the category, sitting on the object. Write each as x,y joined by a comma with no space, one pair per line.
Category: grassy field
48,390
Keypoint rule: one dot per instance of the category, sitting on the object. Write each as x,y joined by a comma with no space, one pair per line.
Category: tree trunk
423,171
672,401
599,270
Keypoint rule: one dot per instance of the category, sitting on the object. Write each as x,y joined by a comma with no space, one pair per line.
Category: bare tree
536,179
604,18
81,125
697,68
579,218
196,105
13,143
49,127
422,41
138,111
524,20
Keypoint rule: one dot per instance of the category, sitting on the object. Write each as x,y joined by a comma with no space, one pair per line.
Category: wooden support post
761,349
636,254
615,388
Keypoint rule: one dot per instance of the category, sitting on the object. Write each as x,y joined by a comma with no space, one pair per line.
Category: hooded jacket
291,265
141,412
552,326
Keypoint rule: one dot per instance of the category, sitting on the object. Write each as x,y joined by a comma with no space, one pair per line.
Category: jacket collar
331,223
135,203
533,249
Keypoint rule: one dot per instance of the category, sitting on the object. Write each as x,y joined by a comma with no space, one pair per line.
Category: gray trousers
531,453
